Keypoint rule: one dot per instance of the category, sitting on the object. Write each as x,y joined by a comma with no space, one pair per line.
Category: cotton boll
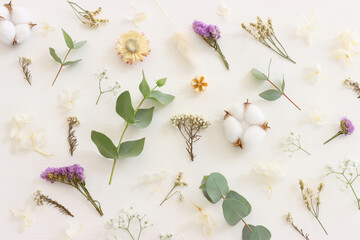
20,16
253,115
22,32
233,129
237,111
7,32
4,12
253,136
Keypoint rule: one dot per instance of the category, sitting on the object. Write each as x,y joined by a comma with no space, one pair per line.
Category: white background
165,148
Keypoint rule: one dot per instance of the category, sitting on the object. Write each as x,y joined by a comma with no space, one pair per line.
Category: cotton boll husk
4,12
22,32
20,16
183,46
253,136
237,111
253,115
7,32
233,129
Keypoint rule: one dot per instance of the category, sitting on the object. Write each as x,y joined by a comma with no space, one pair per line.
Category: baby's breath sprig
124,220
289,219
40,199
293,144
101,75
312,201
347,172
354,85
87,17
24,63
189,126
72,122
264,33
178,183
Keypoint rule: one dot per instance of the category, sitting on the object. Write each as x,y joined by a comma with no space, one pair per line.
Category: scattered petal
349,39
317,117
47,28
312,73
344,55
205,221
25,217
138,18
68,100
310,26
223,10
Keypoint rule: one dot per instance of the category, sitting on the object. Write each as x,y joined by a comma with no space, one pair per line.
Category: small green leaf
143,117
160,97
54,55
144,87
271,95
131,148
71,62
216,186
258,233
283,84
124,107
104,144
69,42
259,75
78,45
237,196
161,82
234,210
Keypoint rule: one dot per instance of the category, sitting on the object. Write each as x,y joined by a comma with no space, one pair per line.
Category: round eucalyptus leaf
258,233
237,196
234,210
203,188
246,232
216,186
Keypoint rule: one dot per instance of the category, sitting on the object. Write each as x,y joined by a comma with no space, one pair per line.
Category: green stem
352,189
90,199
62,65
305,151
322,225
166,198
336,135
97,101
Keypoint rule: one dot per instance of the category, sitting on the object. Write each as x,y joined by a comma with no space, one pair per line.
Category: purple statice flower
347,126
214,31
72,172
207,31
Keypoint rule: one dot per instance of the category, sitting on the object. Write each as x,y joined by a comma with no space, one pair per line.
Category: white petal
224,11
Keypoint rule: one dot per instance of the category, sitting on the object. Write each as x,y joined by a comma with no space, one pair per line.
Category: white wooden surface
165,149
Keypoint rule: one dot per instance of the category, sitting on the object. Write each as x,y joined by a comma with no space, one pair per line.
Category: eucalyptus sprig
72,45
271,94
138,117
235,207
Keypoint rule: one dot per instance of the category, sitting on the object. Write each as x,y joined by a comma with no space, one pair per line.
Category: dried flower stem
214,44
40,198
24,63
178,183
61,66
85,16
312,203
299,230
72,122
355,86
101,76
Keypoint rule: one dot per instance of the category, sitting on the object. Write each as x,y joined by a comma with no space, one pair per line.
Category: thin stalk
166,198
336,135
90,199
62,65
246,224
321,225
283,93
352,189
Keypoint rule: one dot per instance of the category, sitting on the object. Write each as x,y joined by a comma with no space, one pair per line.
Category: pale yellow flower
317,117
310,26
25,217
132,47
349,39
344,55
138,17
68,100
199,84
223,10
205,221
46,28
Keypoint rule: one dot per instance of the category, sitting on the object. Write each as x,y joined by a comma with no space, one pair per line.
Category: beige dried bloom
199,84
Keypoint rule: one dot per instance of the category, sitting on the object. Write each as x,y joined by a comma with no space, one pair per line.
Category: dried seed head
289,217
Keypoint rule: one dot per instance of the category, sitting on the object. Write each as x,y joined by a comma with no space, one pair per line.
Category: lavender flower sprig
347,128
210,34
74,176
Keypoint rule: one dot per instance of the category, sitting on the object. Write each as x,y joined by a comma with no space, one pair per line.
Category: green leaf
258,233
71,62
203,187
54,55
143,117
160,97
131,148
237,196
144,87
234,210
259,75
104,145
271,95
78,45
216,186
124,107
161,82
69,42
283,84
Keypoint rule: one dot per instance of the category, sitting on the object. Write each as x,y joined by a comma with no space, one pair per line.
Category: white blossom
349,39
137,17
312,73
46,28
317,117
344,55
310,26
25,216
68,100
206,222
223,10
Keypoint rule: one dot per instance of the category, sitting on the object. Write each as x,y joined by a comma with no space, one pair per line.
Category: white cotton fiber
22,32
237,111
253,115
20,16
4,12
233,129
7,32
253,136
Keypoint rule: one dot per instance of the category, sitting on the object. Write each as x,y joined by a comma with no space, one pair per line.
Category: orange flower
199,84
